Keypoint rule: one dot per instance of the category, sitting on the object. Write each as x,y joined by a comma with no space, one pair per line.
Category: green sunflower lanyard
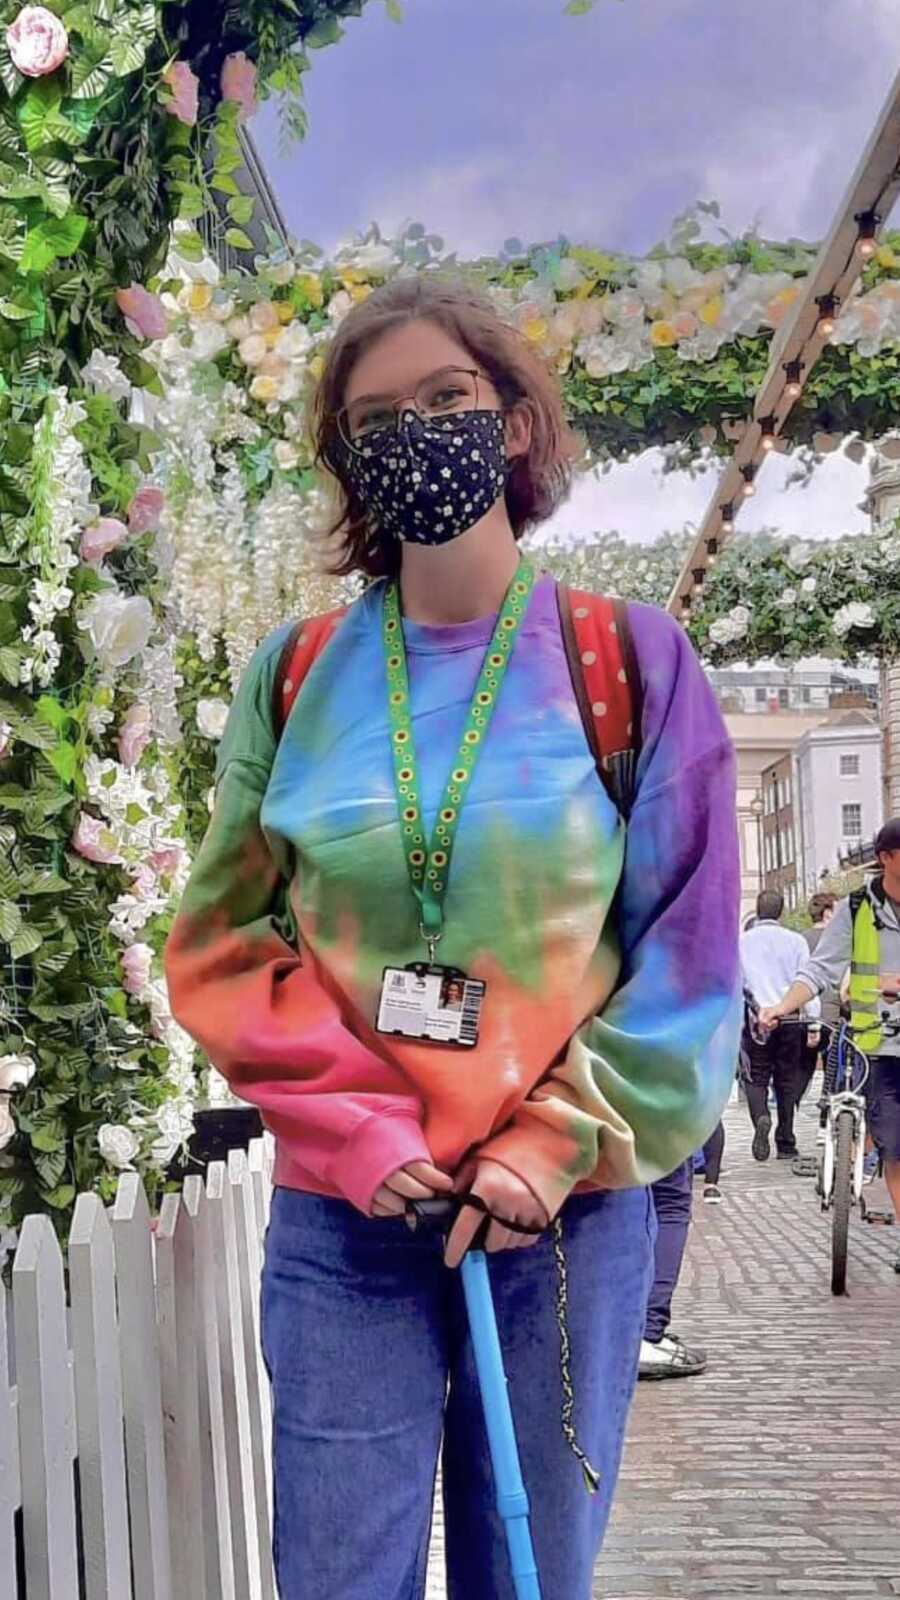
429,865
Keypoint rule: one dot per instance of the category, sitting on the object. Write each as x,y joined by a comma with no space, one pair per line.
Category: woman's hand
417,1181
506,1196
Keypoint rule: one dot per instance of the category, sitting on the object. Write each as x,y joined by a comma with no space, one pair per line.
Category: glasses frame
399,404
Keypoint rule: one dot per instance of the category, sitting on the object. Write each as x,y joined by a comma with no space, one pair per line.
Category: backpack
602,664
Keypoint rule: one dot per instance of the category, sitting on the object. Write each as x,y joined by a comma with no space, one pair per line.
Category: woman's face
397,364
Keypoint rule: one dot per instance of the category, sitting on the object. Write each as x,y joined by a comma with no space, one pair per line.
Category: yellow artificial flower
535,329
284,310
350,276
311,285
360,291
272,335
199,296
316,367
711,310
264,387
662,334
885,256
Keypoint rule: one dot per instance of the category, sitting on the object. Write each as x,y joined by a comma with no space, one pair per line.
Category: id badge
438,1005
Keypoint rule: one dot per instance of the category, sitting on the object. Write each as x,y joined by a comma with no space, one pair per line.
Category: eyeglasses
369,425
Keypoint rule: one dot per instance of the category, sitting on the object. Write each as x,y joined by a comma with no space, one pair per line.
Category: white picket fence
135,1417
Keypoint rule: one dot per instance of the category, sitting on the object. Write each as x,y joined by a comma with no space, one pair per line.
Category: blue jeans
672,1202
365,1337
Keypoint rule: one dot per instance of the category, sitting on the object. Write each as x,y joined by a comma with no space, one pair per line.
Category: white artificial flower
857,614
799,556
174,1122
286,454
293,341
722,631
339,305
105,376
809,585
117,1144
787,598
207,339
16,1072
377,258
119,626
212,716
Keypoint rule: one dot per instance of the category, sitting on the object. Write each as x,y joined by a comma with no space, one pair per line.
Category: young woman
606,1028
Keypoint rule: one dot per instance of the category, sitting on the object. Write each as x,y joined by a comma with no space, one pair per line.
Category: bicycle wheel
843,1195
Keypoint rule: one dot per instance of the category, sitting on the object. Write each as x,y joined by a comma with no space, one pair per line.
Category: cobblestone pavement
778,1471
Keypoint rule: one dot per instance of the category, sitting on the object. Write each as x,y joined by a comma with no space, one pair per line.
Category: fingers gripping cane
509,1486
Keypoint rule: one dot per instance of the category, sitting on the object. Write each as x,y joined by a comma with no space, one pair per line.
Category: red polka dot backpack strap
304,643
607,684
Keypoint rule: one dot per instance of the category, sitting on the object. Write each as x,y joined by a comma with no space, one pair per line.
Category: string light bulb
727,519
868,223
794,387
828,305
748,473
768,426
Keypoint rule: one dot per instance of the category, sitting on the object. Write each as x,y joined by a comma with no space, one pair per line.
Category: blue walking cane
509,1486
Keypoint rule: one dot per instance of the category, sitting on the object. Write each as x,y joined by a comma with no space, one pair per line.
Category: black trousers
778,1062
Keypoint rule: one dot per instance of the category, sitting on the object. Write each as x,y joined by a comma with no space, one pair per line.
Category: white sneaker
669,1359
712,1195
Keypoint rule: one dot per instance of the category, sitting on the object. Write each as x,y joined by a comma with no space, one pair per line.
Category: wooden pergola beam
801,338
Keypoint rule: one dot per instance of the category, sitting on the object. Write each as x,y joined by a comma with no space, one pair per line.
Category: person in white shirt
771,957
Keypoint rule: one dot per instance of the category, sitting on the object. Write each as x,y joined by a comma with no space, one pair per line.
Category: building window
760,696
783,699
806,694
850,766
851,821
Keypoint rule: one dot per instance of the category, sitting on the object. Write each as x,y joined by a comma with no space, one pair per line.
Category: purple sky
490,118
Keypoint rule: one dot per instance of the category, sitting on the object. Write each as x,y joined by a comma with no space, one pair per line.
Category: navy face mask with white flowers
430,481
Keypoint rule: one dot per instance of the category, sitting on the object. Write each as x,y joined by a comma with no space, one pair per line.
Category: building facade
759,743
838,789
762,691
780,834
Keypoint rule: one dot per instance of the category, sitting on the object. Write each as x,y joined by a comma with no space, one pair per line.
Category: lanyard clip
432,940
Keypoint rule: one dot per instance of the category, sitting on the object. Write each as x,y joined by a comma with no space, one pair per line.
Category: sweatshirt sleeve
643,1084
238,985
824,967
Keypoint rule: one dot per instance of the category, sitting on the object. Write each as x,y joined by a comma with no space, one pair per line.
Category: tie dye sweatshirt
609,1032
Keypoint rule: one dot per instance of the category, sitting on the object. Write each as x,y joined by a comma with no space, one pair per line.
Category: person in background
864,935
771,958
663,1354
711,1157
821,909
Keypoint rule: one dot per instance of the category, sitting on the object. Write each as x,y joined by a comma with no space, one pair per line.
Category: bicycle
841,1144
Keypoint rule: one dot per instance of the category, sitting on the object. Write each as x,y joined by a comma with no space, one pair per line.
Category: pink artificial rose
104,535
134,735
37,42
143,312
146,509
93,840
136,963
143,884
183,84
239,83
167,860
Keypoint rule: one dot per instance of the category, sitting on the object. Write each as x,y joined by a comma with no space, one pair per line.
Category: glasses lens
445,395
368,424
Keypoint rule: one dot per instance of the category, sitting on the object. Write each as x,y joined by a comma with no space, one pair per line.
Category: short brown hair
819,904
538,481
